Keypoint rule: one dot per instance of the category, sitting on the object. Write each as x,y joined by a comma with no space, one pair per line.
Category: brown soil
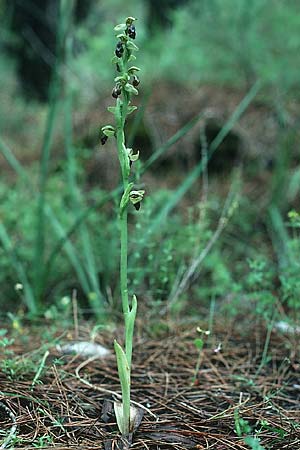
65,411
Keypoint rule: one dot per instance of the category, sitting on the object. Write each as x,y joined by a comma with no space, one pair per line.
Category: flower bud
129,21
136,197
131,155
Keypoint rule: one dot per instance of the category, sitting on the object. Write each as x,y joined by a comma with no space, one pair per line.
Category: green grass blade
54,93
173,139
194,174
70,251
294,186
279,235
39,273
19,270
77,202
66,235
64,241
12,161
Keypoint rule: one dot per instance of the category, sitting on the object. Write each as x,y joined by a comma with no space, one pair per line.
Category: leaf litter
71,405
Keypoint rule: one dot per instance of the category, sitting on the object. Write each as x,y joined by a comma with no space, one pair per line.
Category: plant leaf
124,376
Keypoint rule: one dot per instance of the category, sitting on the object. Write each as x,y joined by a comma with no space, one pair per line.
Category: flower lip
136,81
131,31
116,92
103,139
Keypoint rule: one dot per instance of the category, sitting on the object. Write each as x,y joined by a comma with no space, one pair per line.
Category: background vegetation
227,235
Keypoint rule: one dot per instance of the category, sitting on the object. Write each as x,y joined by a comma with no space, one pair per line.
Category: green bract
130,109
131,58
132,90
131,46
123,78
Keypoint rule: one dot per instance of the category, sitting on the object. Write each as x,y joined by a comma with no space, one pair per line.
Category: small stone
84,348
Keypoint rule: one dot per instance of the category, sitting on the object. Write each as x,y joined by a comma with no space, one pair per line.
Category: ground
246,393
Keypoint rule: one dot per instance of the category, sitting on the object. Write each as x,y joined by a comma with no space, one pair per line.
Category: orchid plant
125,87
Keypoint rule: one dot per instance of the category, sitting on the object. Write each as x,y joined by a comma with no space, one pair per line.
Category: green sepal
125,198
124,376
130,20
132,156
108,130
136,196
131,46
109,133
131,89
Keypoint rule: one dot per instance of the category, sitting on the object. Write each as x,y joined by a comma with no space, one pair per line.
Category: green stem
129,309
123,215
123,261
129,316
197,368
